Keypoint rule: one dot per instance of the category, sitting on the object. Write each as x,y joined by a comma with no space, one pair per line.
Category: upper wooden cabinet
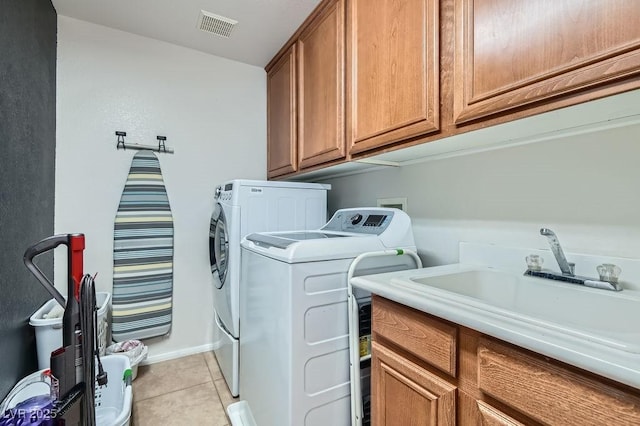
376,75
281,116
305,95
321,87
512,53
393,76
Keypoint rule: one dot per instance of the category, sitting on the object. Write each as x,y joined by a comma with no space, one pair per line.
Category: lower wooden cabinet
407,394
495,383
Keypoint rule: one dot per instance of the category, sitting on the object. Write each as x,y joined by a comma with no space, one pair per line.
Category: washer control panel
363,221
223,192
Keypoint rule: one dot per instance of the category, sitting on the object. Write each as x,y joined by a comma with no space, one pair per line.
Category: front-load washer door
218,246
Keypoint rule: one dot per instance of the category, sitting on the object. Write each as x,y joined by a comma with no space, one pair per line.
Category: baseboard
178,354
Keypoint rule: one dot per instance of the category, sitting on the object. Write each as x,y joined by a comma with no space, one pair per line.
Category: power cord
101,377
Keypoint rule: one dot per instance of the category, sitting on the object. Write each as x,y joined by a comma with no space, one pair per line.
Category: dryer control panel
373,221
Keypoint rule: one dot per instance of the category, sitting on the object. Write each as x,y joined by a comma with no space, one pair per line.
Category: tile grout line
181,389
177,390
209,369
174,390
224,409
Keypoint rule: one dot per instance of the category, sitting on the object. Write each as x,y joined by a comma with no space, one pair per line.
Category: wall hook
121,144
161,145
121,136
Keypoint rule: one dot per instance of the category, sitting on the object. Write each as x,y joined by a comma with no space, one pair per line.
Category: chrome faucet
567,268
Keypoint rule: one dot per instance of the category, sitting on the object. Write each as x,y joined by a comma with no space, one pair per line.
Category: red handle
76,246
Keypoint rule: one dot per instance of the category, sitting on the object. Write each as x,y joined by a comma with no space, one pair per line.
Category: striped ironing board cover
143,254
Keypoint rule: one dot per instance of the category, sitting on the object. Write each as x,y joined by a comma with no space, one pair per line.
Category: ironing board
143,254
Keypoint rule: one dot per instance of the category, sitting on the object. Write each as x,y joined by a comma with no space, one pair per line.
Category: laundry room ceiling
263,25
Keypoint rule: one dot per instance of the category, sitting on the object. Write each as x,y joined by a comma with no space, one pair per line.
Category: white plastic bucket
49,331
113,401
135,355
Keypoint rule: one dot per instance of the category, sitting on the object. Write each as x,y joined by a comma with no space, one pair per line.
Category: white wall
213,112
583,187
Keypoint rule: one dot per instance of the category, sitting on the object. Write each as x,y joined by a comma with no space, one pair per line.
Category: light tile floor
189,390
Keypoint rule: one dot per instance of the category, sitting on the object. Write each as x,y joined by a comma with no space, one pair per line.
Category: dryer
294,346
242,207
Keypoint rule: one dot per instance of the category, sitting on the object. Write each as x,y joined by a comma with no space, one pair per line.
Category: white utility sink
609,317
594,329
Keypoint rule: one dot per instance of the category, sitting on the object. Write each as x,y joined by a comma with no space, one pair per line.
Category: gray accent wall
27,159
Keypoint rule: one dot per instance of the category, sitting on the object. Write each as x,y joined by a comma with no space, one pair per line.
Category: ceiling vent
216,24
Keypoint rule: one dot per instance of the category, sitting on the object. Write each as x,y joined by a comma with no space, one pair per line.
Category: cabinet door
392,71
321,88
512,53
476,412
406,394
282,116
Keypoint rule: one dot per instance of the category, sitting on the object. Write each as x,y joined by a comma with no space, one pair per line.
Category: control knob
356,219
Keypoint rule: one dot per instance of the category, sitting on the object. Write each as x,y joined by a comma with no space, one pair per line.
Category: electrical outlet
396,203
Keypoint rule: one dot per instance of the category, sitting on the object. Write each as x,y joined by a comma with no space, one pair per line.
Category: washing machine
243,207
294,345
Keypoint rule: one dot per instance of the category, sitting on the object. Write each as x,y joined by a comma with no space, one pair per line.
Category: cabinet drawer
550,393
428,338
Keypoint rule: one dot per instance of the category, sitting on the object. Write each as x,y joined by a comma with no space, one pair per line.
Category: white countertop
583,351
